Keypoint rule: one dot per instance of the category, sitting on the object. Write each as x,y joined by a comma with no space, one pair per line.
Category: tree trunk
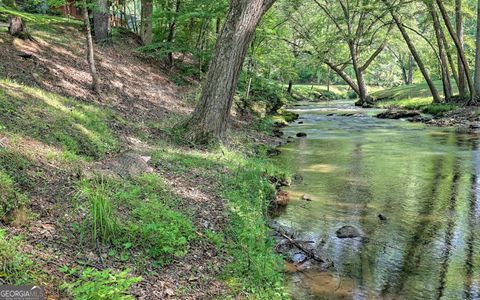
16,26
90,53
477,57
362,88
173,32
210,118
101,22
290,86
411,67
460,51
344,76
416,56
447,86
146,25
460,34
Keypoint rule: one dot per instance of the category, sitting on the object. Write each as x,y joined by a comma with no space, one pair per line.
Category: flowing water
424,180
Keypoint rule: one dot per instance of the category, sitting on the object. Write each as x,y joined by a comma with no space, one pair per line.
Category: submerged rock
349,232
301,134
382,217
398,114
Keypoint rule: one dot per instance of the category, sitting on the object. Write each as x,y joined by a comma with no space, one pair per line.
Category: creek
425,181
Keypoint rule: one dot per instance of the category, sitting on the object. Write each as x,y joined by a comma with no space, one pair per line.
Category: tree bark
411,67
477,57
416,56
173,32
460,51
16,27
344,76
101,22
447,85
290,86
90,52
146,25
210,117
460,35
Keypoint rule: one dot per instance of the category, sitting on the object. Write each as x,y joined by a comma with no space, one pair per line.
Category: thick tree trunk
460,35
146,25
344,76
173,32
477,57
211,115
447,86
16,27
90,53
416,56
460,51
101,22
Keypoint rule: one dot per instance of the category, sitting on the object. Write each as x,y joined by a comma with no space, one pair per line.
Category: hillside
92,185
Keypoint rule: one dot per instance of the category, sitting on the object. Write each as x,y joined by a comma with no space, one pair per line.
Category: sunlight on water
426,181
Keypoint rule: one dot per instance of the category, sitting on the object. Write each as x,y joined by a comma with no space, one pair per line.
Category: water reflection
425,180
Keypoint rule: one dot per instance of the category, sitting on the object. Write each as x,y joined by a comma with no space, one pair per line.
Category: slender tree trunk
416,56
411,67
447,86
90,52
477,57
101,22
146,25
460,35
211,115
460,51
344,76
362,87
290,86
173,31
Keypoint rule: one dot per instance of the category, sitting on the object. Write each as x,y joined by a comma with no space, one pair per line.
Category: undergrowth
15,267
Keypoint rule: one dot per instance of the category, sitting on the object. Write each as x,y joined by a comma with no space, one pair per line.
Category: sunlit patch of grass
74,127
15,267
423,104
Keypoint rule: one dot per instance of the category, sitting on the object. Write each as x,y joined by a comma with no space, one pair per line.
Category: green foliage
150,224
268,92
255,269
93,284
15,267
10,198
77,128
423,104
103,223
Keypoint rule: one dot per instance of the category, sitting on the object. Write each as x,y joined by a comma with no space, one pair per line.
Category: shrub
94,284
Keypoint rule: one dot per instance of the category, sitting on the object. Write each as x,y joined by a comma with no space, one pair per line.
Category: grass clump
74,127
137,214
94,284
15,267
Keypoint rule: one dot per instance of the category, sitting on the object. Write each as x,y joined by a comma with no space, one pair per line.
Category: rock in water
348,232
307,197
301,134
398,114
382,217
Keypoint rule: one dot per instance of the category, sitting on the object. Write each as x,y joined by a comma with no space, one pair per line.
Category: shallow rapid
424,181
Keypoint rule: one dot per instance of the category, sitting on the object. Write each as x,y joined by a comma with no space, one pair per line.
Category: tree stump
16,27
